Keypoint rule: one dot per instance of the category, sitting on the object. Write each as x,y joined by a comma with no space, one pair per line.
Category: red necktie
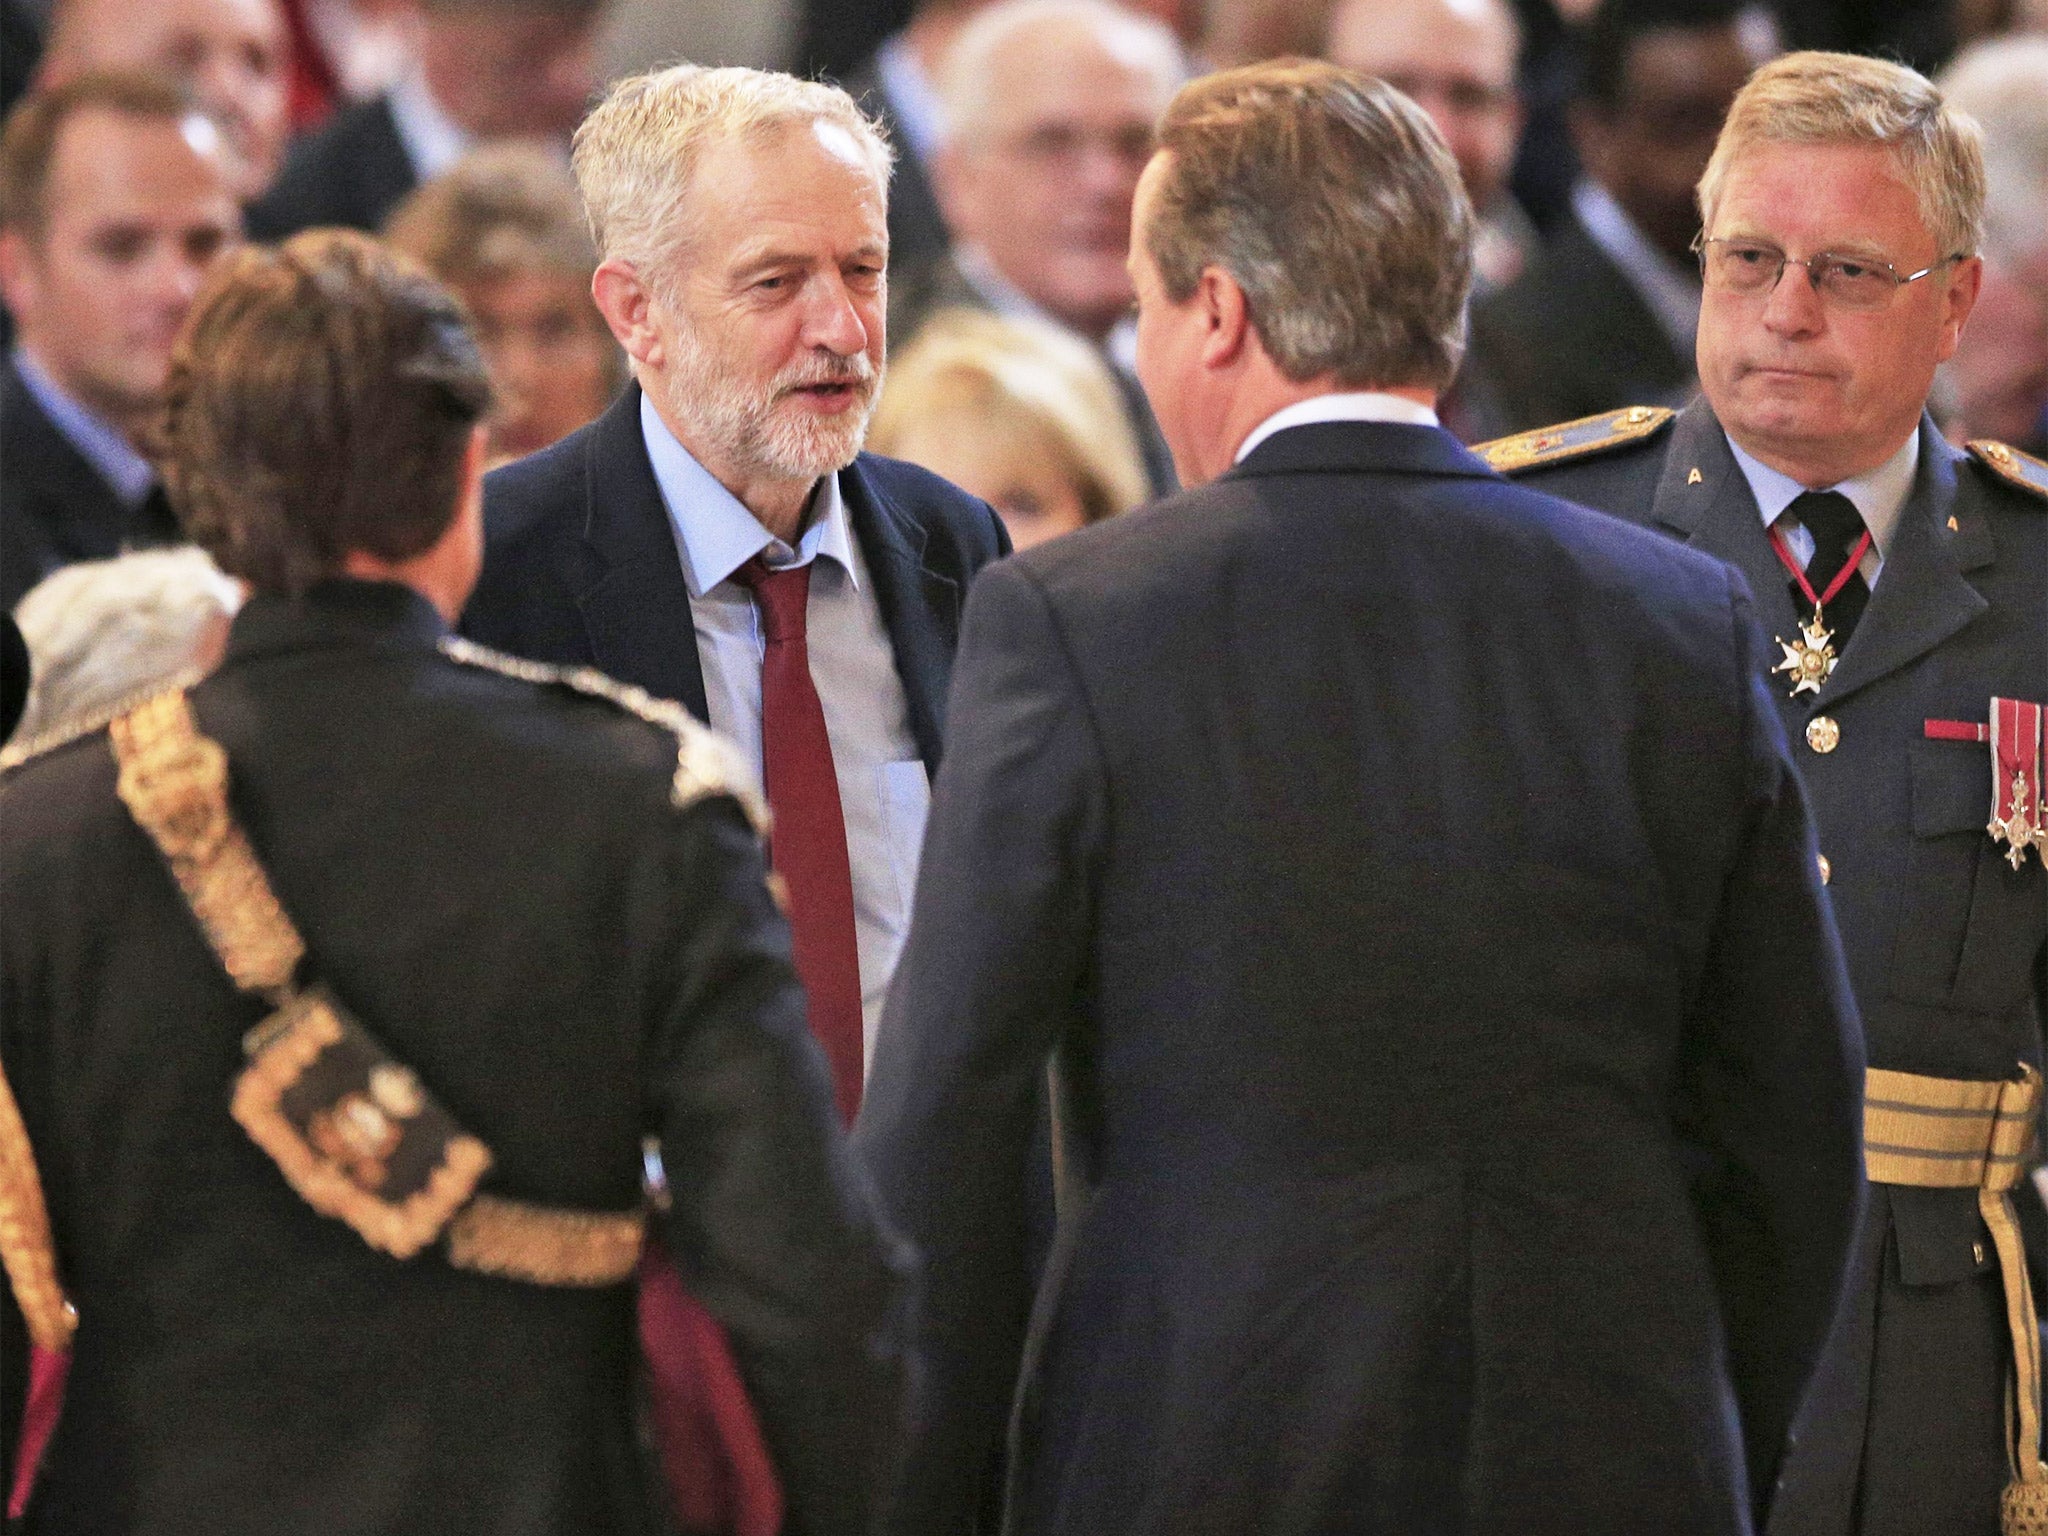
808,843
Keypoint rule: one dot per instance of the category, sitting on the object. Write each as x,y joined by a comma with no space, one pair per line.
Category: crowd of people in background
1019,128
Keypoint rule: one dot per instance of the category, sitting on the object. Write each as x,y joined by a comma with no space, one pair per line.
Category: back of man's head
1331,200
321,403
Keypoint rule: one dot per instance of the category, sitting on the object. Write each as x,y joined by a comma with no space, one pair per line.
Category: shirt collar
1879,495
102,445
1671,290
1353,405
716,534
912,95
433,140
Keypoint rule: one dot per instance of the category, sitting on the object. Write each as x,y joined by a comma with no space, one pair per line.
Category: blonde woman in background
503,227
1015,412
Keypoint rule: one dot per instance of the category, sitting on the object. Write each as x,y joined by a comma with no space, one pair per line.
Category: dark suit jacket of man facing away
1412,874
582,566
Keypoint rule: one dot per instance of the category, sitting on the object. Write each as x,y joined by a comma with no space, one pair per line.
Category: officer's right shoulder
706,764
1573,442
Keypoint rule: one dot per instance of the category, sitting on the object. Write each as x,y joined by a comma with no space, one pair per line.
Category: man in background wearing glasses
1906,586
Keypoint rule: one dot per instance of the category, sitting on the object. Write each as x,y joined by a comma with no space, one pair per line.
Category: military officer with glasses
1906,586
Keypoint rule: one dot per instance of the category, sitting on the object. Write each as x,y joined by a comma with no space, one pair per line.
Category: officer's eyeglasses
1849,282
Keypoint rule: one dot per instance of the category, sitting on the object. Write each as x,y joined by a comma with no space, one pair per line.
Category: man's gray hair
108,630
1843,98
971,82
636,153
1333,202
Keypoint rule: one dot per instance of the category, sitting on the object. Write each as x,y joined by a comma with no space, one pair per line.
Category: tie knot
1832,519
783,597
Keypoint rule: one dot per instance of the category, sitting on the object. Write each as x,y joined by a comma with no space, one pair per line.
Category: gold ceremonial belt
1954,1133
353,1131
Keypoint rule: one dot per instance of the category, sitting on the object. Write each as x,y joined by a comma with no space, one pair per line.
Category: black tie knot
1835,524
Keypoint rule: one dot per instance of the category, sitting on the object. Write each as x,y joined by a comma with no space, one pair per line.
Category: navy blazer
1410,874
582,566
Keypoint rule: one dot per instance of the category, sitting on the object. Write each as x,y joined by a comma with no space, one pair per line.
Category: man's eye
1751,255
1853,269
121,245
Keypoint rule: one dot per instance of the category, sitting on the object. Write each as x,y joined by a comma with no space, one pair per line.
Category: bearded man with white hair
717,537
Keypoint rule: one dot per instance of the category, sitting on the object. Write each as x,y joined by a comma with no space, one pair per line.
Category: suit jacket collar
342,612
1369,447
636,605
1922,596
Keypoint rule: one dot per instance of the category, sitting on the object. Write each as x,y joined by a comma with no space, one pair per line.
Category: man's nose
1793,306
833,318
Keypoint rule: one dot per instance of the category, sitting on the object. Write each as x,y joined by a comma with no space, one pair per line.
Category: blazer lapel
636,604
920,607
1921,596
1704,497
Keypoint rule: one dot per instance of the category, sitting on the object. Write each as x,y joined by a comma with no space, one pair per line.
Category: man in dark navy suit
1908,585
716,537
1408,872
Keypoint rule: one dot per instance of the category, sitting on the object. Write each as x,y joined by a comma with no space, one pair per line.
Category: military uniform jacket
503,880
1947,944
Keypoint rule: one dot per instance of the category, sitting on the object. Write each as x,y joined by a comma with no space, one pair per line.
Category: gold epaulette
706,763
2021,469
78,726
1575,439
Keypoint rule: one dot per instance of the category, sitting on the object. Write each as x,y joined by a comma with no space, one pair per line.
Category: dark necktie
808,842
1837,528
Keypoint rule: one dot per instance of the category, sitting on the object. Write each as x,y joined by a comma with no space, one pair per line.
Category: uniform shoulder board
706,763
2022,469
85,722
1575,439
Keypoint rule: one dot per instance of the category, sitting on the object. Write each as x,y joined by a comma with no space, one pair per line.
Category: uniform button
1977,1252
1822,734
1827,870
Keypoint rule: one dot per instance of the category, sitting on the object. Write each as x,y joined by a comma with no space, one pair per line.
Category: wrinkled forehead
806,180
1844,194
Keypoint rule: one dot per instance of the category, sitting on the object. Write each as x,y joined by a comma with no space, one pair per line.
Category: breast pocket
906,804
1970,924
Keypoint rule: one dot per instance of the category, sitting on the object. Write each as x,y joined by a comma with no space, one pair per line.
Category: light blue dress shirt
1879,496
883,791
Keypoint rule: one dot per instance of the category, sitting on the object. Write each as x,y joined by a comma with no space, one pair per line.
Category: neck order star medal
1809,659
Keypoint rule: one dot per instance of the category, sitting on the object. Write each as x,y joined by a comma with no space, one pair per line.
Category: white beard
757,431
